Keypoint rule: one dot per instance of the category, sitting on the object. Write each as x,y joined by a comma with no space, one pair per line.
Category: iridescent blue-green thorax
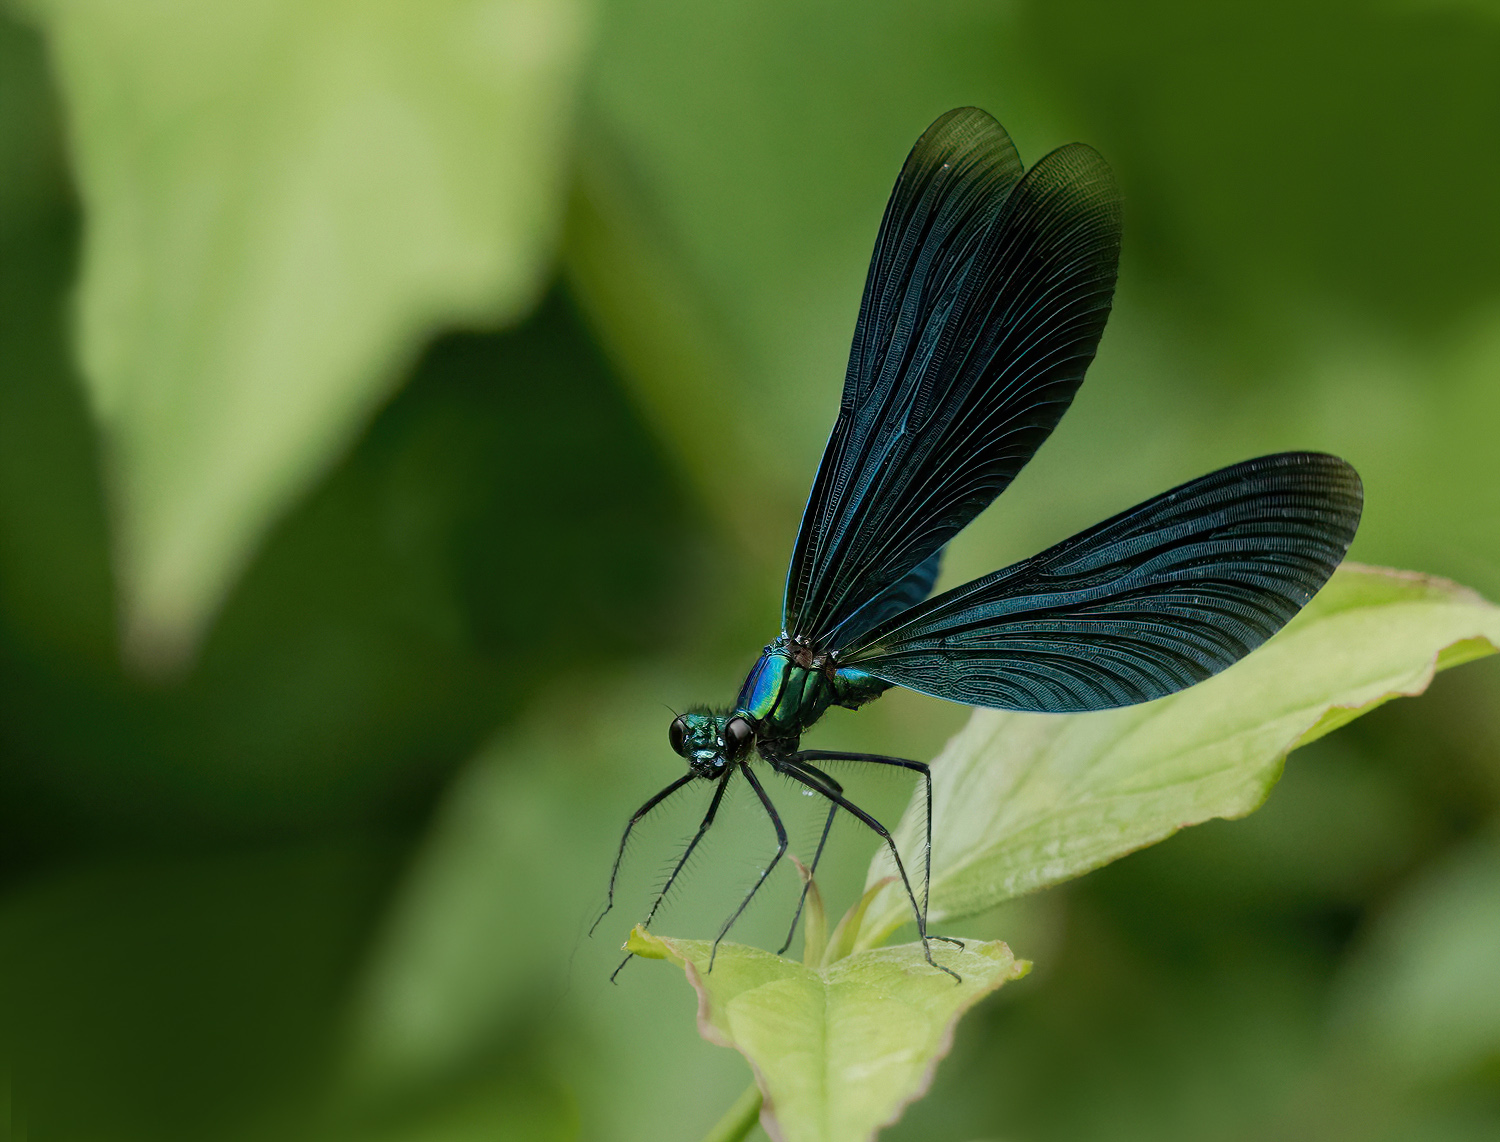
788,689
791,687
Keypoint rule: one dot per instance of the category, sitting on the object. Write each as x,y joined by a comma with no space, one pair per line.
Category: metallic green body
789,689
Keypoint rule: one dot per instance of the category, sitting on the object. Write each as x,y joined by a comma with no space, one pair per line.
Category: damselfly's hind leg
811,755
800,769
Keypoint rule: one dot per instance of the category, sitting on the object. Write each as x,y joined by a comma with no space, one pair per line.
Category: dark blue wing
900,596
1142,605
986,298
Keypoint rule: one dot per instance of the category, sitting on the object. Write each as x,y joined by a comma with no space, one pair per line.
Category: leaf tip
642,943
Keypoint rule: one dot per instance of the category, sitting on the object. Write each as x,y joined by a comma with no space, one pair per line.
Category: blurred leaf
1022,801
1424,999
282,200
740,1119
452,967
837,1051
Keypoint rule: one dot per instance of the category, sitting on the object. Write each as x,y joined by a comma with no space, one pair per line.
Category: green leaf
814,918
846,934
837,1051
1022,801
282,200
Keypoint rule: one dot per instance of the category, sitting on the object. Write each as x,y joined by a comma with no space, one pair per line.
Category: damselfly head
710,742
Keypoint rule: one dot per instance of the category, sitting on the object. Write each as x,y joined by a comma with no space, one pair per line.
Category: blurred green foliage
330,878
282,200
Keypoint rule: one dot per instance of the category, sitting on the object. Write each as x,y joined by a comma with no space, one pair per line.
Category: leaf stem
739,1119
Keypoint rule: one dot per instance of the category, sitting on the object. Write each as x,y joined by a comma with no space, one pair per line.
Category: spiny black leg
708,819
619,856
900,762
814,779
812,870
765,872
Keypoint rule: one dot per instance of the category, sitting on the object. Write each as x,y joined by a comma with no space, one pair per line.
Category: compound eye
677,736
737,734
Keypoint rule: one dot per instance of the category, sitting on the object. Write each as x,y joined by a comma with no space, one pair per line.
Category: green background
325,870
